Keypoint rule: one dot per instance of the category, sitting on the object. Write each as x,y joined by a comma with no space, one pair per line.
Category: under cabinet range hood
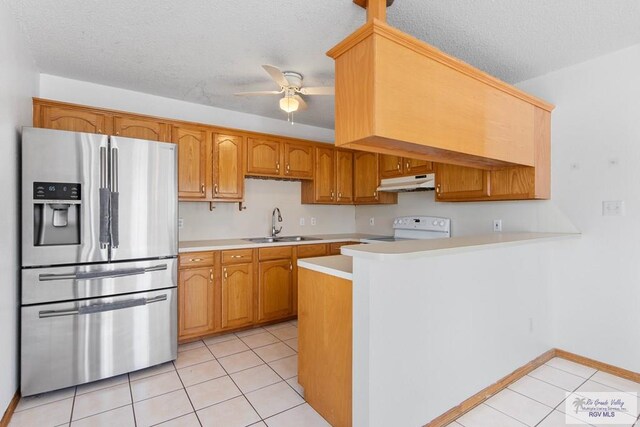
408,183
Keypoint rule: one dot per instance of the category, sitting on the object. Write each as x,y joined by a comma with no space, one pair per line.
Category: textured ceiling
203,51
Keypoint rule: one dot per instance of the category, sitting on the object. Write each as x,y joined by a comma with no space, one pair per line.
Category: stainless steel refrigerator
99,257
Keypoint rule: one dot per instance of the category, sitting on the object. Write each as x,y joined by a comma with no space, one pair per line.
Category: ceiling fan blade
259,93
276,75
320,90
303,105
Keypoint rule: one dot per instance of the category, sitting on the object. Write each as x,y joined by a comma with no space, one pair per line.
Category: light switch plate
612,208
313,221
180,222
302,221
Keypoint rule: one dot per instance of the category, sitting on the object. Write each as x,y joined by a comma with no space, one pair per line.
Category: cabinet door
461,182
298,160
344,177
263,157
417,167
228,176
275,295
237,295
192,143
74,119
141,128
366,178
325,175
196,302
391,166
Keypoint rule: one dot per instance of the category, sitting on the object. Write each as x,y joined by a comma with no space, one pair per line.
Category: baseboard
4,422
600,366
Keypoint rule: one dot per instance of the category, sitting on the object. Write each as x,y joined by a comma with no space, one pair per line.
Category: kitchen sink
282,239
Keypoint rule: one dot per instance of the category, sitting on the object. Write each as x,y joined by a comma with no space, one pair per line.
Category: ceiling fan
291,88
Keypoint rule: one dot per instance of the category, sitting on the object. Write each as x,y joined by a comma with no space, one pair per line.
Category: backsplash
261,196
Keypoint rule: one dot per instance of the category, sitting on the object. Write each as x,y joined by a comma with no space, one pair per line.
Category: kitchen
588,221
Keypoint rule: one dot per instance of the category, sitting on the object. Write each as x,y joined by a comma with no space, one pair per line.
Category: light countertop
223,244
410,249
336,265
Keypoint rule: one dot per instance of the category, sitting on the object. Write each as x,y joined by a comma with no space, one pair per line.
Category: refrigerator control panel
56,191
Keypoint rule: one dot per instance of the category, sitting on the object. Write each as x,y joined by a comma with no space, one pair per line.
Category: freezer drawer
71,343
50,284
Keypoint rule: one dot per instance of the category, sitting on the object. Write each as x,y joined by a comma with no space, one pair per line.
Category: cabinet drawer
308,251
334,248
237,256
279,252
196,259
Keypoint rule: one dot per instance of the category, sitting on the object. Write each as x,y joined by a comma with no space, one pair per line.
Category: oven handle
101,308
90,275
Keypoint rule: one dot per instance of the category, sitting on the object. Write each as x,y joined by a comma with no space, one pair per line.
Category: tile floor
538,398
243,379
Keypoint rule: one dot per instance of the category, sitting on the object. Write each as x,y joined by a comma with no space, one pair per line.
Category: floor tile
227,348
539,390
101,400
260,340
162,408
557,377
121,417
571,367
191,357
99,385
189,420
212,392
558,419
303,415
219,338
293,343
201,372
286,333
44,398
287,367
273,399
454,424
155,386
293,382
255,378
275,351
258,424
190,345
50,414
293,322
485,416
252,331
592,386
618,383
154,370
236,412
277,326
520,407
240,361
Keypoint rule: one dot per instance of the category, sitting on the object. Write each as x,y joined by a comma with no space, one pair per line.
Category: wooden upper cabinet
141,128
366,178
391,166
192,155
196,300
344,177
417,167
263,157
228,175
325,175
237,295
298,160
461,182
275,289
74,119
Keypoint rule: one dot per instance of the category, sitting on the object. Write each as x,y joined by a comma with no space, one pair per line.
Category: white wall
18,83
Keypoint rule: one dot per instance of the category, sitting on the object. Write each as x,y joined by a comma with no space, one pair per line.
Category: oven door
70,343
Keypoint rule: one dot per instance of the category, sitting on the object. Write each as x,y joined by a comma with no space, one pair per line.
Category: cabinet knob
211,275
398,166
408,166
277,166
225,273
202,188
339,195
375,194
288,168
117,133
332,195
195,259
215,188
290,266
438,188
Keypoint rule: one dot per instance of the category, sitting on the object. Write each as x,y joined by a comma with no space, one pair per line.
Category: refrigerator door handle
90,275
101,308
115,200
104,199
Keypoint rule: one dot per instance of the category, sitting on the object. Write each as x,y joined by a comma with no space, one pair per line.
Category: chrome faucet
275,231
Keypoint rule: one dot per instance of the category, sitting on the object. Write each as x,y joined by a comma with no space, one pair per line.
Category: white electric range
416,227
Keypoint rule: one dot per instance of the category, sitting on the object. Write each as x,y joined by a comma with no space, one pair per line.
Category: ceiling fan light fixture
289,104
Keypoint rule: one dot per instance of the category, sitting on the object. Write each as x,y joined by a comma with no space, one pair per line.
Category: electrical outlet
313,221
302,221
497,225
531,325
613,208
180,222
372,221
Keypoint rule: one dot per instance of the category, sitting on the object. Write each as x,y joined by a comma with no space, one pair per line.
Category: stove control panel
426,223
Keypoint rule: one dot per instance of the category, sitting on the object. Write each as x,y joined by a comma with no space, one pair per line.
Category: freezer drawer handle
101,308
102,274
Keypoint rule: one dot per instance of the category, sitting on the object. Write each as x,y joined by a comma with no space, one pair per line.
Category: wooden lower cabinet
196,302
236,293
275,289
